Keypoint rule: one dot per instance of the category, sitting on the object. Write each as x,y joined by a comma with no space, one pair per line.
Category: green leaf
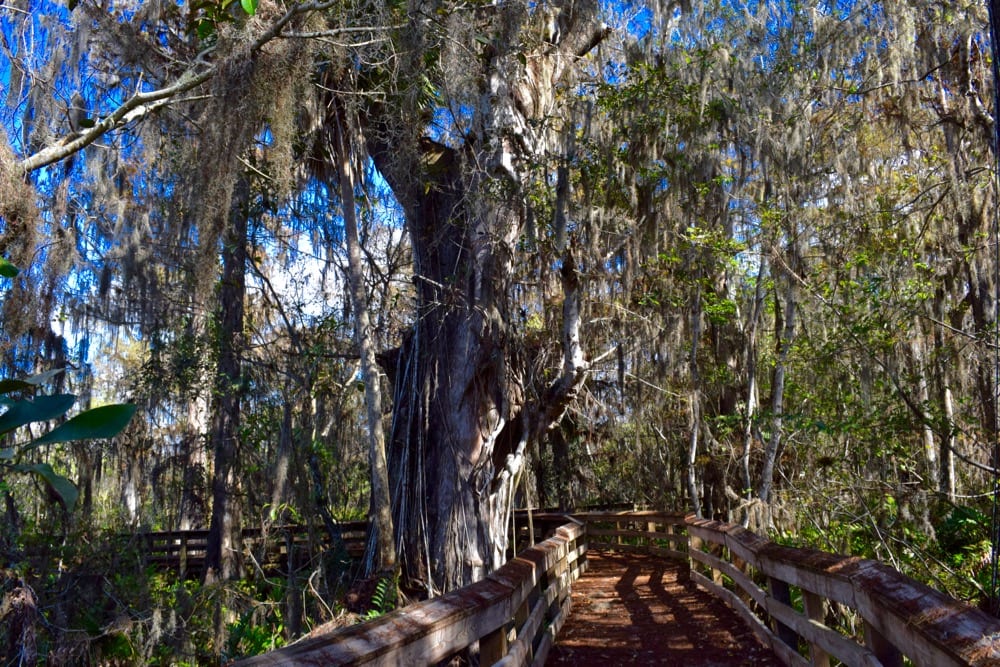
41,408
7,270
7,454
249,6
205,29
62,487
102,422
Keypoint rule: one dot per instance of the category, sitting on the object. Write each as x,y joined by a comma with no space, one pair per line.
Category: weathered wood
779,592
888,655
930,627
816,613
549,635
902,617
669,554
431,631
758,627
185,550
515,613
815,633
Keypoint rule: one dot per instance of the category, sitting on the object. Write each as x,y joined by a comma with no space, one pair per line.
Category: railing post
883,649
716,550
493,647
782,593
183,557
694,544
816,612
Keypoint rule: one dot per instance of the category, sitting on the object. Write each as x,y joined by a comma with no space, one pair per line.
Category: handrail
185,550
513,615
783,594
760,579
901,617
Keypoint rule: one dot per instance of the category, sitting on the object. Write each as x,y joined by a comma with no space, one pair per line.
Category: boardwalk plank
640,610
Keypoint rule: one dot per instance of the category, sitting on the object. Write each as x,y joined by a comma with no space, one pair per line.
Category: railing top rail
676,517
920,621
251,531
430,631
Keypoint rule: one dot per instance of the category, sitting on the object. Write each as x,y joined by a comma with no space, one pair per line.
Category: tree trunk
460,430
750,430
452,386
924,396
282,464
193,456
694,404
380,513
778,393
946,479
222,560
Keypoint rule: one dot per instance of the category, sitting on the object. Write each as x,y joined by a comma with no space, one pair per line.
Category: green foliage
964,534
103,422
383,599
261,625
7,270
24,409
208,15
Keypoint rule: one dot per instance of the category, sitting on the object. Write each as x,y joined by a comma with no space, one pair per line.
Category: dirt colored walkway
631,609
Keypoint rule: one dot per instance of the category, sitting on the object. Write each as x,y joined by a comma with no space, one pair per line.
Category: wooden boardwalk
633,609
656,588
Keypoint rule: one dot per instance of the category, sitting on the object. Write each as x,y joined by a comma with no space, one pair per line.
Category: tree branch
141,103
134,107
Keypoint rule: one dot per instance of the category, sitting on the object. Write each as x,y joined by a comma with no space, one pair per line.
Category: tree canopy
424,262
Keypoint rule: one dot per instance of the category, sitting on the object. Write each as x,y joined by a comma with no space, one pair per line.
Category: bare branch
135,107
141,103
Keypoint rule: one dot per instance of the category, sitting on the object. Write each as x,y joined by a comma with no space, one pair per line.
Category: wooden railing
788,596
511,617
662,534
184,550
785,594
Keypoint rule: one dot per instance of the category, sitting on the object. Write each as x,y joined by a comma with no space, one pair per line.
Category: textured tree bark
750,430
222,559
453,386
460,424
694,404
924,396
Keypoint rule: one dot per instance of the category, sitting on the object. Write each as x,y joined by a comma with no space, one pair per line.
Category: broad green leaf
7,270
38,409
62,487
249,6
102,422
7,454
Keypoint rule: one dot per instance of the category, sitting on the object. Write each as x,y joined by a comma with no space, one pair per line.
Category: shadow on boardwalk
632,609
